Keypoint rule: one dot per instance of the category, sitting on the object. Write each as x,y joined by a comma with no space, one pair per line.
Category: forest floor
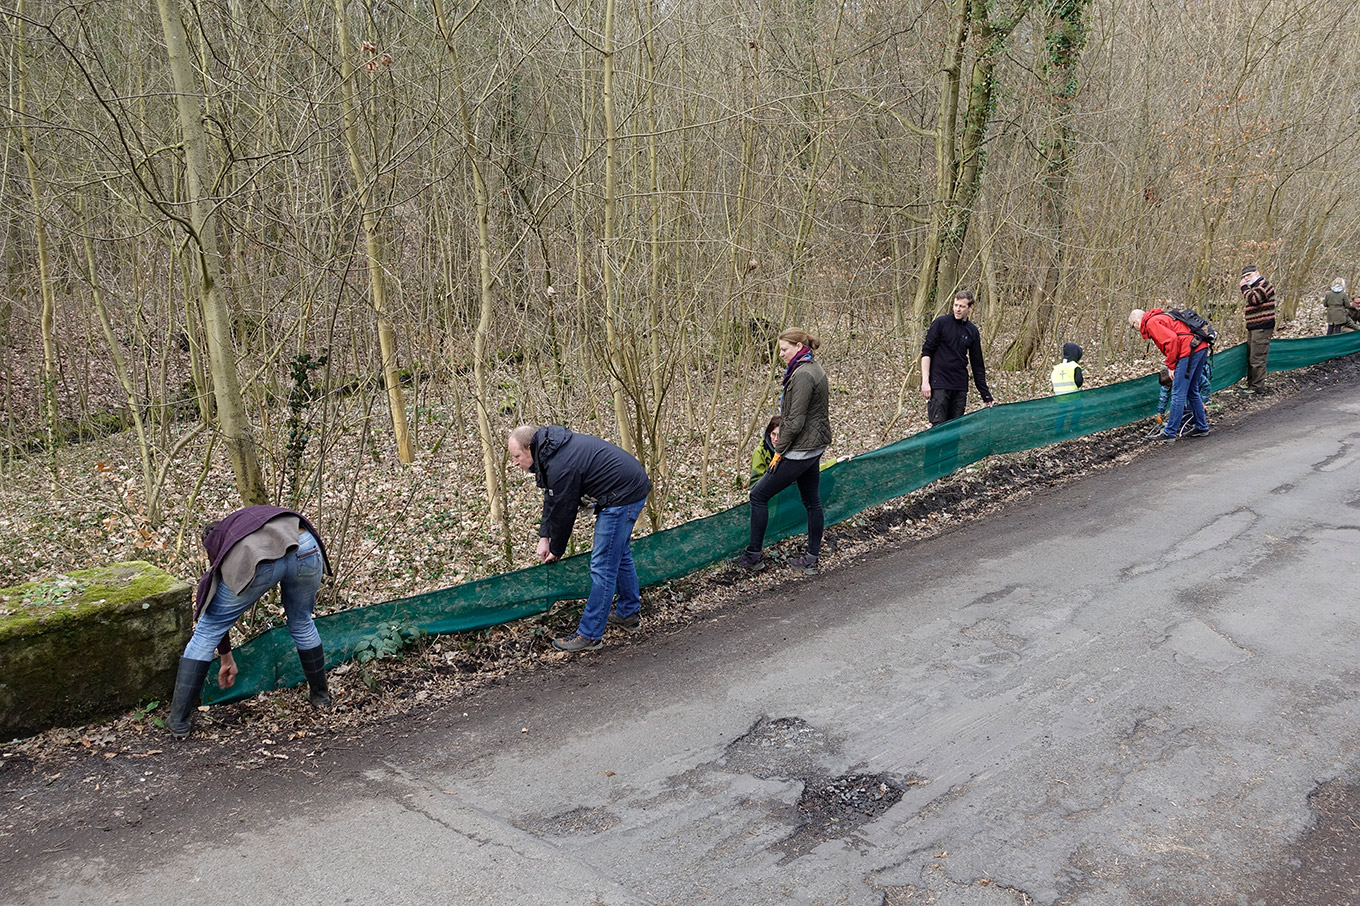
441,670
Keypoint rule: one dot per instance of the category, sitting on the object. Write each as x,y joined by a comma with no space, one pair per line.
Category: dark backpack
1200,329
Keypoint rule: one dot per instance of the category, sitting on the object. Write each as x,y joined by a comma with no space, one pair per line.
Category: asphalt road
1123,691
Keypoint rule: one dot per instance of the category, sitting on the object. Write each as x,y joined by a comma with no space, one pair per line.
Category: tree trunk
377,280
618,358
492,446
959,151
47,318
1064,37
946,127
215,297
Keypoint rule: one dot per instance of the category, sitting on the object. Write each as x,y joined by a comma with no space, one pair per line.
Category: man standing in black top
952,342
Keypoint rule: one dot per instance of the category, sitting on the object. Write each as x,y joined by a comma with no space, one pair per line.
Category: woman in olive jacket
804,433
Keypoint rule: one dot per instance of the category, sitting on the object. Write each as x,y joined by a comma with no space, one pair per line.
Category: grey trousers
1258,347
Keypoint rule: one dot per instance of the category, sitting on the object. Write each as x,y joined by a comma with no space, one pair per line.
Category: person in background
763,454
952,343
804,434
1163,396
249,552
1341,313
1258,298
1066,376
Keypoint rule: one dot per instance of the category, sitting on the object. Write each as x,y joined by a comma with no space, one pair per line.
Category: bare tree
214,291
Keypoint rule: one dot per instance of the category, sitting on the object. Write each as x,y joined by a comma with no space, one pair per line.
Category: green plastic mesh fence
847,488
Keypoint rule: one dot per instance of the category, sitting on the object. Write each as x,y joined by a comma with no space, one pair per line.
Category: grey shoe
631,623
577,642
1163,438
751,561
807,563
1196,432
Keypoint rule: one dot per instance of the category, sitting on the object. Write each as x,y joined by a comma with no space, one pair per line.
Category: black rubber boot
314,668
188,686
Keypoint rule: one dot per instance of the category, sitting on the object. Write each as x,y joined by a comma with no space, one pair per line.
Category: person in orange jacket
1185,358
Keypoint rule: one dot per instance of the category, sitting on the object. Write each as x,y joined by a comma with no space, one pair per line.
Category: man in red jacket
1185,358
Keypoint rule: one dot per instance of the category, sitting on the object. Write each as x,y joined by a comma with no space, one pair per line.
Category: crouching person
573,469
249,552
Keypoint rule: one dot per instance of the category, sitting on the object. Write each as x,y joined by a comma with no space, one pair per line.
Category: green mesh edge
847,488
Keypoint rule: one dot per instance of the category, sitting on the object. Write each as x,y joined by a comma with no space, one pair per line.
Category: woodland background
326,254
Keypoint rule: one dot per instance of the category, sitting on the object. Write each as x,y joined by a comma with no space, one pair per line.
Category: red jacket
1172,337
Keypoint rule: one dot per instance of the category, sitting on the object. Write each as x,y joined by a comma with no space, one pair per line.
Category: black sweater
951,344
577,468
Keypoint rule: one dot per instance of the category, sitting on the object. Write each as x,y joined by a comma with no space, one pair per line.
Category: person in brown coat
804,434
1258,298
1341,314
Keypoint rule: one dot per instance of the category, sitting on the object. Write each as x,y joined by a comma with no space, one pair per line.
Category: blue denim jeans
611,568
298,576
1185,391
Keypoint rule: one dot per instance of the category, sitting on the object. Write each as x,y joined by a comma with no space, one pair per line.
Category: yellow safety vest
1065,377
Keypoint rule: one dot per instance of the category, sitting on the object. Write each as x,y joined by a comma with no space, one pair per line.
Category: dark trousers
807,473
946,405
1258,348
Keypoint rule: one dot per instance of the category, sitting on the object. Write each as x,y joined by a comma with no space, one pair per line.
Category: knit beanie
1247,269
1072,352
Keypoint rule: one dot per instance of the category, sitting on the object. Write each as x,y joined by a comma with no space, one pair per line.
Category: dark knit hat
1072,352
1248,269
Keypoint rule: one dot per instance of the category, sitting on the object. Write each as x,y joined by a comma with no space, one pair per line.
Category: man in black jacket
577,468
951,343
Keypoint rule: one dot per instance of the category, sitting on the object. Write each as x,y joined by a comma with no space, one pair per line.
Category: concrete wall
88,644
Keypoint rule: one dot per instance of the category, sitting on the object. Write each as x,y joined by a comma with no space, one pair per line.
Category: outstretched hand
226,674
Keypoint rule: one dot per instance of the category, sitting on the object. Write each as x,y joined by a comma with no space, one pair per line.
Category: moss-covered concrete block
88,644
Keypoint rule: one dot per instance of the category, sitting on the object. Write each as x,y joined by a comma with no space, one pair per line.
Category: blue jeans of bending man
1185,392
611,569
1204,385
298,576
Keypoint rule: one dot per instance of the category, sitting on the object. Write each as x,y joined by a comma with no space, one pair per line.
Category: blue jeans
1185,391
1205,386
611,568
298,576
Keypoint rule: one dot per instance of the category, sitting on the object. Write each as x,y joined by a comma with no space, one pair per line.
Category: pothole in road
830,808
787,748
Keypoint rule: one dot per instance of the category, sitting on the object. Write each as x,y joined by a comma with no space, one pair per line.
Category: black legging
807,473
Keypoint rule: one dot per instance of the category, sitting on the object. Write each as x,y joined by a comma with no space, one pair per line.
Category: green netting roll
847,488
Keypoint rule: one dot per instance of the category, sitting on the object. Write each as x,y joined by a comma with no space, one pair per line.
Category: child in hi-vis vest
1066,375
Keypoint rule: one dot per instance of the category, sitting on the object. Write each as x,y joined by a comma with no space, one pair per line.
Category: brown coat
1339,310
805,418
